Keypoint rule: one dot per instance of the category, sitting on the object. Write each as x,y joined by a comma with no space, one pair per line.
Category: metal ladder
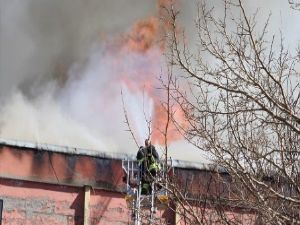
139,203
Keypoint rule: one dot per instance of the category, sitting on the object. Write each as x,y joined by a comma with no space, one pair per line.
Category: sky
63,64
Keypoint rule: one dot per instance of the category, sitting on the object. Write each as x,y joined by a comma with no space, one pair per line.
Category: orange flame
147,39
144,35
160,134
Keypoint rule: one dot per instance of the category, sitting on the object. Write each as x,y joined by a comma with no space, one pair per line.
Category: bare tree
294,4
243,108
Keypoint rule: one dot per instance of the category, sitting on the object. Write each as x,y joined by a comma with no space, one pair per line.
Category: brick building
47,184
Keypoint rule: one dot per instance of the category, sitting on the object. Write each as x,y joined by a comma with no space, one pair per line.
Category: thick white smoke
88,111
59,84
56,84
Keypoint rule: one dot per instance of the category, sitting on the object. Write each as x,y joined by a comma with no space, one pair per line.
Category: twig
127,120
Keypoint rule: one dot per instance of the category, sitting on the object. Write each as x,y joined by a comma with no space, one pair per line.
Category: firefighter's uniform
149,166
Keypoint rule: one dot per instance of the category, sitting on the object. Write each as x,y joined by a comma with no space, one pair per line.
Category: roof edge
64,149
94,153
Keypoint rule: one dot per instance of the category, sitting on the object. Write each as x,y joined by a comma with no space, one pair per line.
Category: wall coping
94,153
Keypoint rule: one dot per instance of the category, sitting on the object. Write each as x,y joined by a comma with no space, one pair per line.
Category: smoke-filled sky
63,64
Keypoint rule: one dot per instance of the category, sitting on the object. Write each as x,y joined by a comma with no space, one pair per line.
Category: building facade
54,185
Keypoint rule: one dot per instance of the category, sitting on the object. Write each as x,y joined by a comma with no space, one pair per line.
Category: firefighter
148,158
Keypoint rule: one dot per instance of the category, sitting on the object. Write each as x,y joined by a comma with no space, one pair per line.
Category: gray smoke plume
41,43
58,83
41,39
